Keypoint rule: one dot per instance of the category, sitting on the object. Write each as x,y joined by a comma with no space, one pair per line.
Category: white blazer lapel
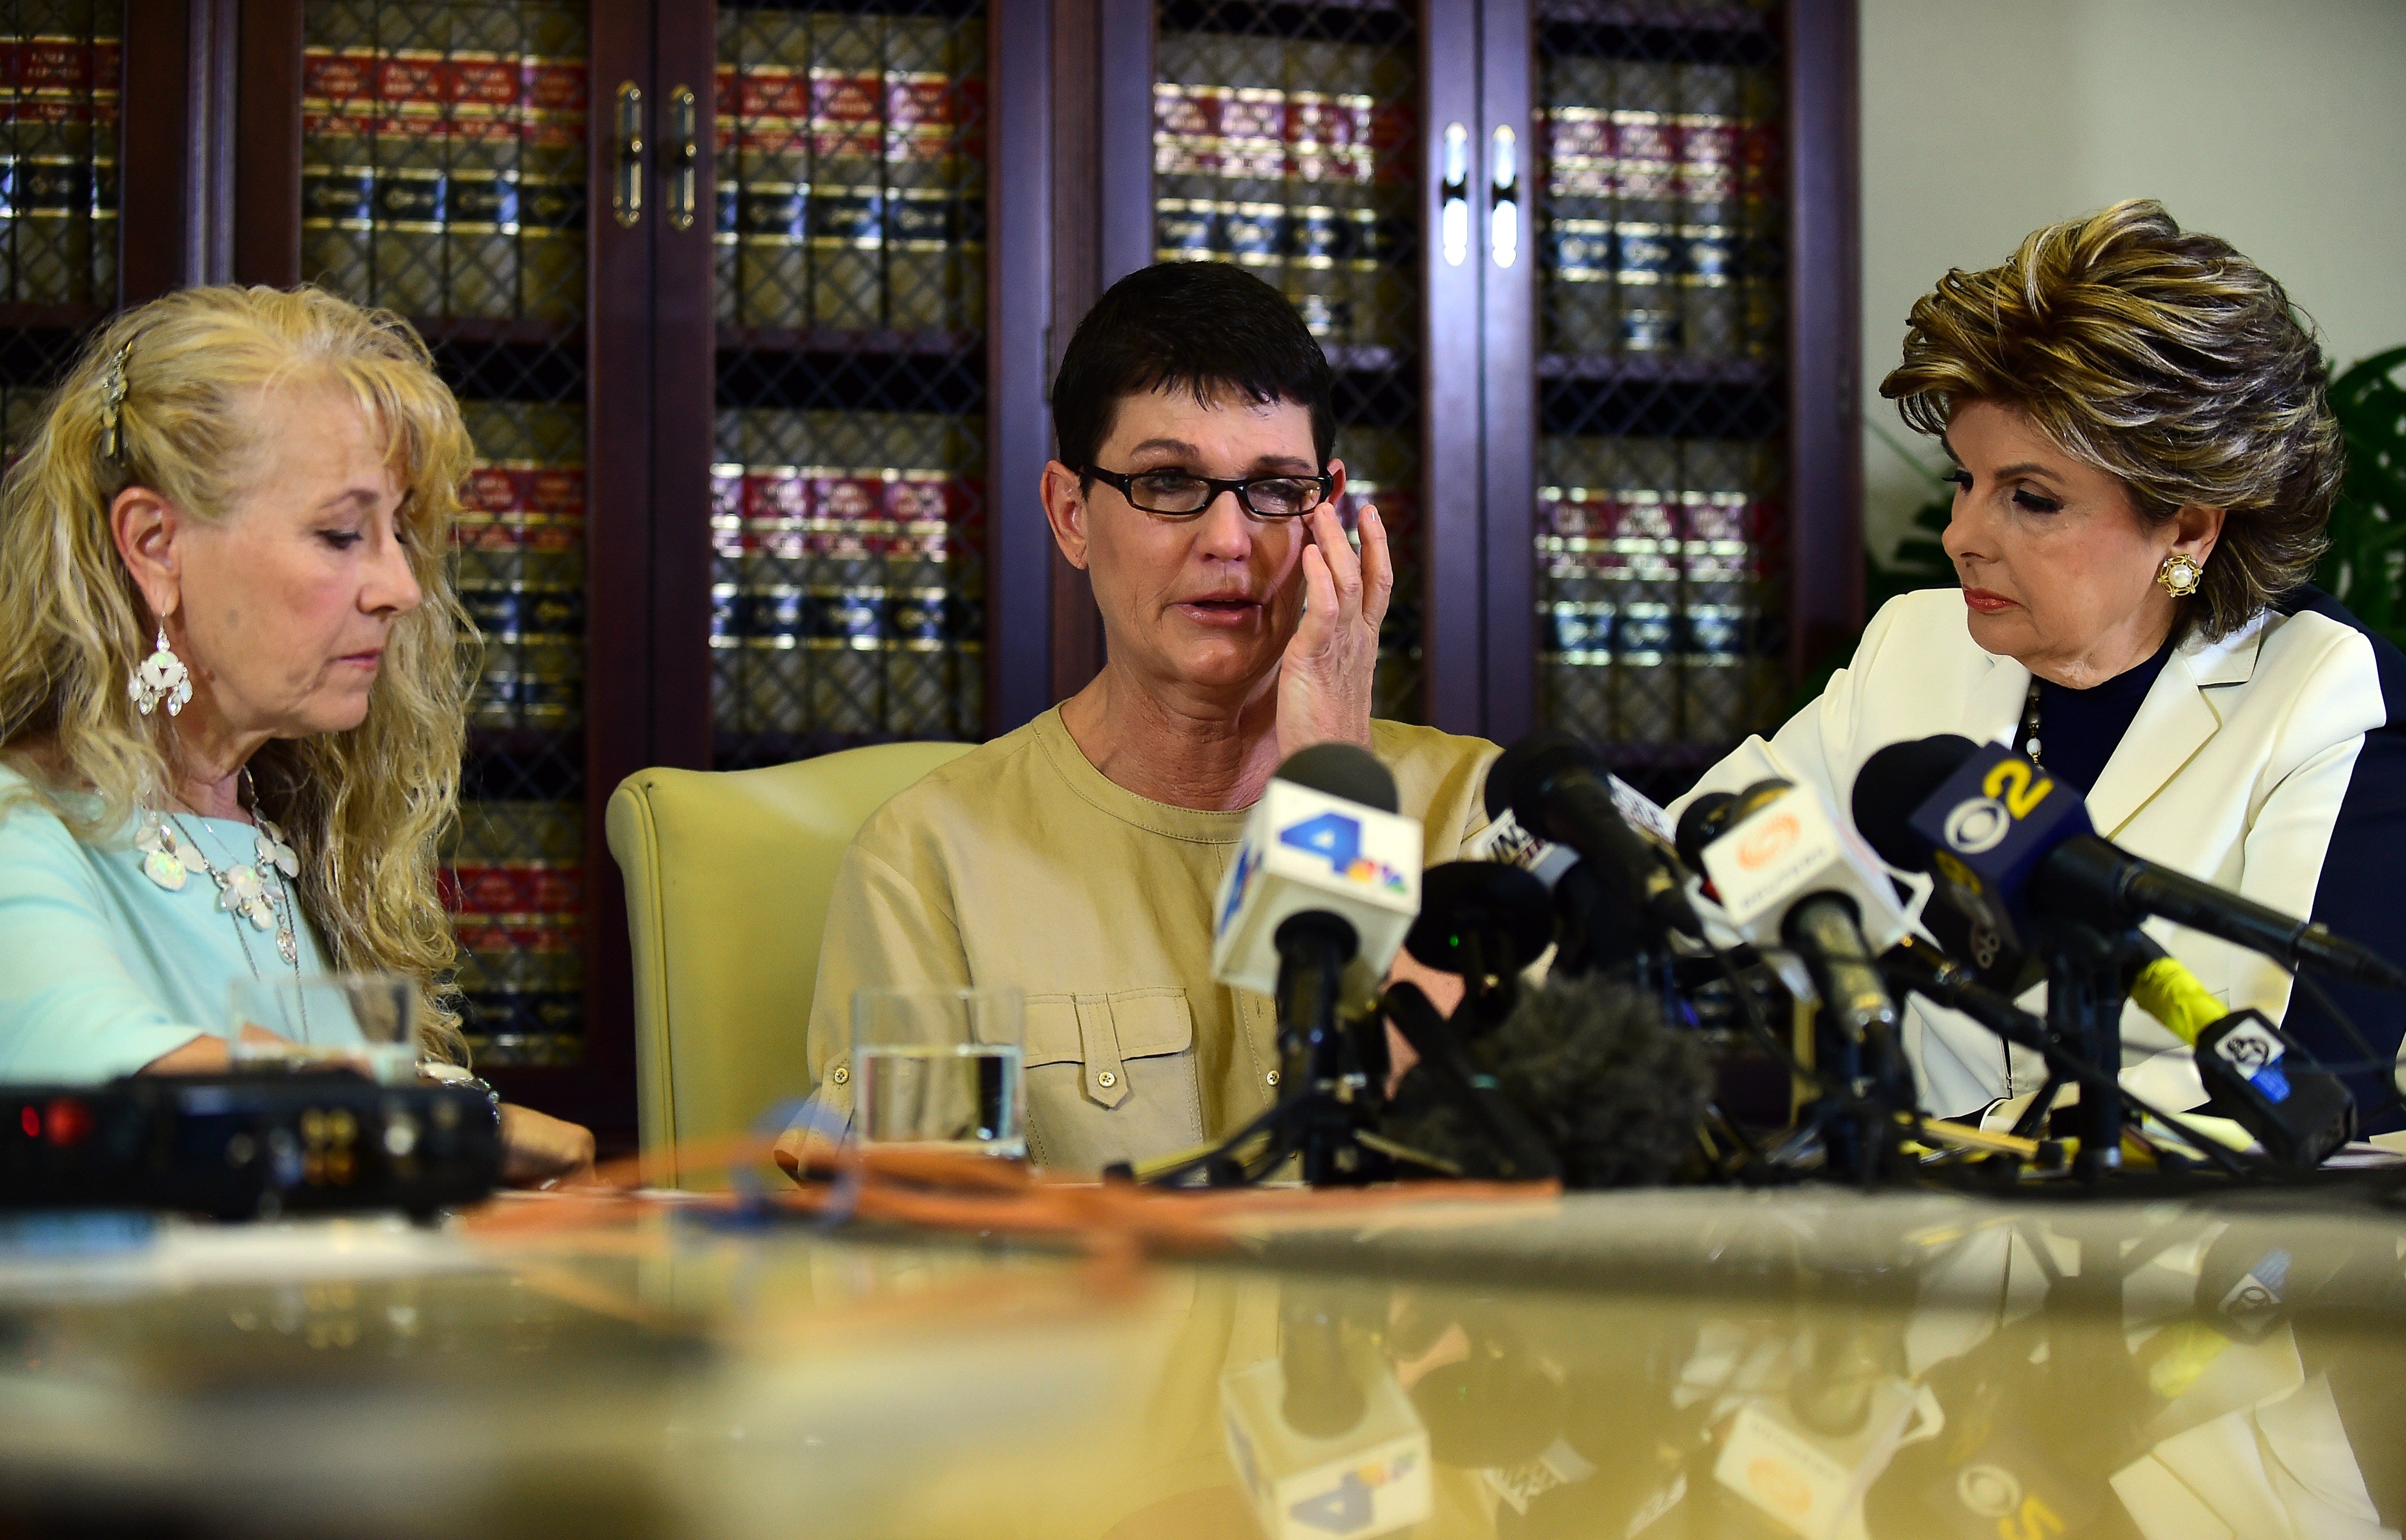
1994,707
2173,723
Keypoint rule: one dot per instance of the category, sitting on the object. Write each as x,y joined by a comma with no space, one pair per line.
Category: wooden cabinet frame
212,186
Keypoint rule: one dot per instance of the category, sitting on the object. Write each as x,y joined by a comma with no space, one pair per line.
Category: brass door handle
684,163
1454,218
627,191
1503,217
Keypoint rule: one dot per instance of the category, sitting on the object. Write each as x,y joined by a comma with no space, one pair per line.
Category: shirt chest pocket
1110,1077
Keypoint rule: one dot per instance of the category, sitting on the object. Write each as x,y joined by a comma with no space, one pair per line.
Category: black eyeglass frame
1241,486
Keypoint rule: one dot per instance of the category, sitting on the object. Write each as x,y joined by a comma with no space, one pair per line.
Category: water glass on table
366,1022
939,1069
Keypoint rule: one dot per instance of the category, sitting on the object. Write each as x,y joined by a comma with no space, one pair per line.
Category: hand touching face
281,607
1210,604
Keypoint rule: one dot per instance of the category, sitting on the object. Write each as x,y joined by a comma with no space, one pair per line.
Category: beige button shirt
1021,864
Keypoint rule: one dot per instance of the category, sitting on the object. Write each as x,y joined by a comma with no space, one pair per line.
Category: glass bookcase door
1285,141
1659,520
848,497
443,170
58,195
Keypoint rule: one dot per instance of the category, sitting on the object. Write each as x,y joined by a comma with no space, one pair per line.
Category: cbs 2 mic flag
1988,827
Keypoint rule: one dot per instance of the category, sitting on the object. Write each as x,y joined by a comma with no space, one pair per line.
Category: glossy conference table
1662,1365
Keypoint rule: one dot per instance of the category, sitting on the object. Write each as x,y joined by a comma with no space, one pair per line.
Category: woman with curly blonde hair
2143,465
231,684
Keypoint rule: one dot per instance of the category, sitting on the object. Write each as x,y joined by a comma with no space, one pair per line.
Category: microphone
1701,824
1322,1436
2007,843
1558,789
1485,921
1327,874
1505,843
2300,1115
1808,1456
1610,1092
1787,869
1597,923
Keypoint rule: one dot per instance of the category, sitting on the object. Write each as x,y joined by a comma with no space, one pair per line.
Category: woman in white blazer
2144,466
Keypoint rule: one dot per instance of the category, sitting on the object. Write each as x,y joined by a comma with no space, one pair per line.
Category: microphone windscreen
1614,1092
1895,781
1701,825
1342,769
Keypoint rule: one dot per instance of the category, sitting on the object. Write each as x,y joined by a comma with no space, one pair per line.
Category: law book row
513,880
444,160
59,81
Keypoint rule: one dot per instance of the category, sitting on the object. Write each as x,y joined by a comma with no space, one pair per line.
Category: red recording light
69,1121
30,1122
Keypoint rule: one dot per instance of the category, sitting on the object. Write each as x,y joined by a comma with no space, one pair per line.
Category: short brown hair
2163,357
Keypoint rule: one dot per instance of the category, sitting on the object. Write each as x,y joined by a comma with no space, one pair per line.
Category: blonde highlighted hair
2163,356
364,809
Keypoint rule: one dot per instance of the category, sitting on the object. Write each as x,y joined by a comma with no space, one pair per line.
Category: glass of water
366,1022
939,1069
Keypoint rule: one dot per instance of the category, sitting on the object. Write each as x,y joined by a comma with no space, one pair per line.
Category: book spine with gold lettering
553,113
338,203
1576,244
520,562
1707,134
846,213
513,879
1728,658
484,87
55,136
922,177
408,135
770,100
107,76
1576,524
1646,156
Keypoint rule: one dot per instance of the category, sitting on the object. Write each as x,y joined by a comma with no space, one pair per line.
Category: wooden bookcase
804,378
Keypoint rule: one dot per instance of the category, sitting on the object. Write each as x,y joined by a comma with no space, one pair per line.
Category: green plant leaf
2367,523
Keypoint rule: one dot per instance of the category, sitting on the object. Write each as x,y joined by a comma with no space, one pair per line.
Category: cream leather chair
726,877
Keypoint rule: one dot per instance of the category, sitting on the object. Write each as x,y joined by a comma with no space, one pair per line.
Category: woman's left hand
539,1151
1324,691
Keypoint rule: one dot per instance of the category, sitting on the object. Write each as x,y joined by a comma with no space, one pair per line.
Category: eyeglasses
1174,494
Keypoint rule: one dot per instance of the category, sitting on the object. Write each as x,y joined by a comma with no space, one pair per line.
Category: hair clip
112,401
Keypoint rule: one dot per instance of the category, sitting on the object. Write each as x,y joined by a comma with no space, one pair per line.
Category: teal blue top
102,970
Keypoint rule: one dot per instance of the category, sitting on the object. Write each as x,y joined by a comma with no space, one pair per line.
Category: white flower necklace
259,891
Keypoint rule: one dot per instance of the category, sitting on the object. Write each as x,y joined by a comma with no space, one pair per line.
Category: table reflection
1659,1366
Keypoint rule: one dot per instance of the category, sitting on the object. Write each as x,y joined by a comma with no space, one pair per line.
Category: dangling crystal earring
161,677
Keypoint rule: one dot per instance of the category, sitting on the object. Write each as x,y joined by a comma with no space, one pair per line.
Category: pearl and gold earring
2180,575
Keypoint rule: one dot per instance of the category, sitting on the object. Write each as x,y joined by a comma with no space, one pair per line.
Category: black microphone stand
1325,1095
2086,983
1325,1081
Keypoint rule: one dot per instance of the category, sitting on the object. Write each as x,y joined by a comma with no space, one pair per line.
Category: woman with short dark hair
1075,859
2144,465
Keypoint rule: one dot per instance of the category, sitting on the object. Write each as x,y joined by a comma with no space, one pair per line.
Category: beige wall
2278,124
